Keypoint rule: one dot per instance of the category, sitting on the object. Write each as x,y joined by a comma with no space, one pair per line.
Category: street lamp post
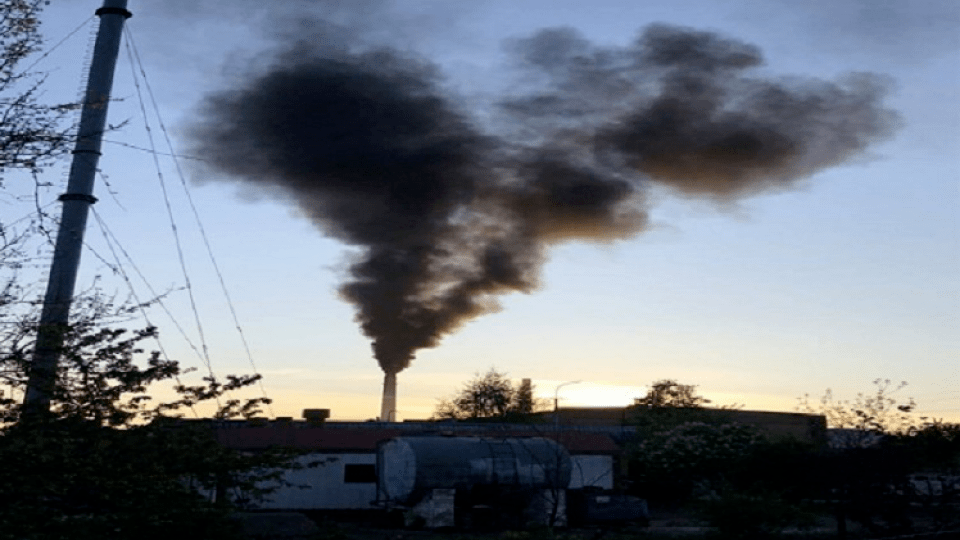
556,403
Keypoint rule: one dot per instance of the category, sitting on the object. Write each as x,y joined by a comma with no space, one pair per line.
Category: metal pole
556,403
76,205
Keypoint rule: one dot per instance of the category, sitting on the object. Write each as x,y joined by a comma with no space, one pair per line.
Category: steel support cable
154,293
196,215
59,43
142,149
205,356
33,214
112,241
86,245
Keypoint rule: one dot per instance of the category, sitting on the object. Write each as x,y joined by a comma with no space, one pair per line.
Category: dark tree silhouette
523,400
111,461
491,395
668,393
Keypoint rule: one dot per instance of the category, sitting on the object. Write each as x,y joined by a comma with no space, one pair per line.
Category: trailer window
359,474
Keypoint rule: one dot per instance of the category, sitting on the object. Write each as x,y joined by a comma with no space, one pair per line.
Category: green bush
668,466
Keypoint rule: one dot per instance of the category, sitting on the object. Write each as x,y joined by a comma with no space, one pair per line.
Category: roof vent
316,416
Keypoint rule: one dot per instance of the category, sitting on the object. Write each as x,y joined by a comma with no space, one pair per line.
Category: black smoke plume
450,215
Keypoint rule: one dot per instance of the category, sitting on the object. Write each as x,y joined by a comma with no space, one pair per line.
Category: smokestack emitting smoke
448,215
388,405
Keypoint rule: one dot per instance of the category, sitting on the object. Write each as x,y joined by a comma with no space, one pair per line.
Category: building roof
582,430
800,426
359,438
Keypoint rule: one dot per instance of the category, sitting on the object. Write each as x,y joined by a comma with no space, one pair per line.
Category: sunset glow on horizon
761,199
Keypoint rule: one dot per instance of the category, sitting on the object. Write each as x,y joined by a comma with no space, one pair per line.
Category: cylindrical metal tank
407,467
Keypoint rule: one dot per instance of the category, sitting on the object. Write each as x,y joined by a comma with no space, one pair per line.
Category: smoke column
388,405
448,215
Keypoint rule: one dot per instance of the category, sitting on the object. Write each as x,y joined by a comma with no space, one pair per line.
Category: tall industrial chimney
388,409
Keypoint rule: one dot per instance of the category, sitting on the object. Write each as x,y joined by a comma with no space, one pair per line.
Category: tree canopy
111,461
668,393
884,469
491,395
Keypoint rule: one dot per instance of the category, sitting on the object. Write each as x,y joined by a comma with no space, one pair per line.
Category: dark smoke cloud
680,108
448,217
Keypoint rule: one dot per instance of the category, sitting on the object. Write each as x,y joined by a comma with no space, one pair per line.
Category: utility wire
150,288
173,223
113,194
59,43
29,216
196,215
56,222
111,240
135,147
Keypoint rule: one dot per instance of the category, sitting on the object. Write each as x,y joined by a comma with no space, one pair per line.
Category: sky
760,282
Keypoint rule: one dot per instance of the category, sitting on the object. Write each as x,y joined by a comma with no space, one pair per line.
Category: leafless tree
863,421
32,133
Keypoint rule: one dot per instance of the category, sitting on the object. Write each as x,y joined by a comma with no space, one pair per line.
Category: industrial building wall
347,481
591,471
338,482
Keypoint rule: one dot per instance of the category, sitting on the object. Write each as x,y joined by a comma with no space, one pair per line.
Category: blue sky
851,276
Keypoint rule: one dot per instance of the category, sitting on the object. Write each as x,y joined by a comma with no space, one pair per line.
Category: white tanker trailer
434,474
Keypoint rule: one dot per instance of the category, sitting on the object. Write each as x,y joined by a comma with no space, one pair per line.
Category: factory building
341,462
432,468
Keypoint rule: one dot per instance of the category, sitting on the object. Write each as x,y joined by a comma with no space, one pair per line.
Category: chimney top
316,416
